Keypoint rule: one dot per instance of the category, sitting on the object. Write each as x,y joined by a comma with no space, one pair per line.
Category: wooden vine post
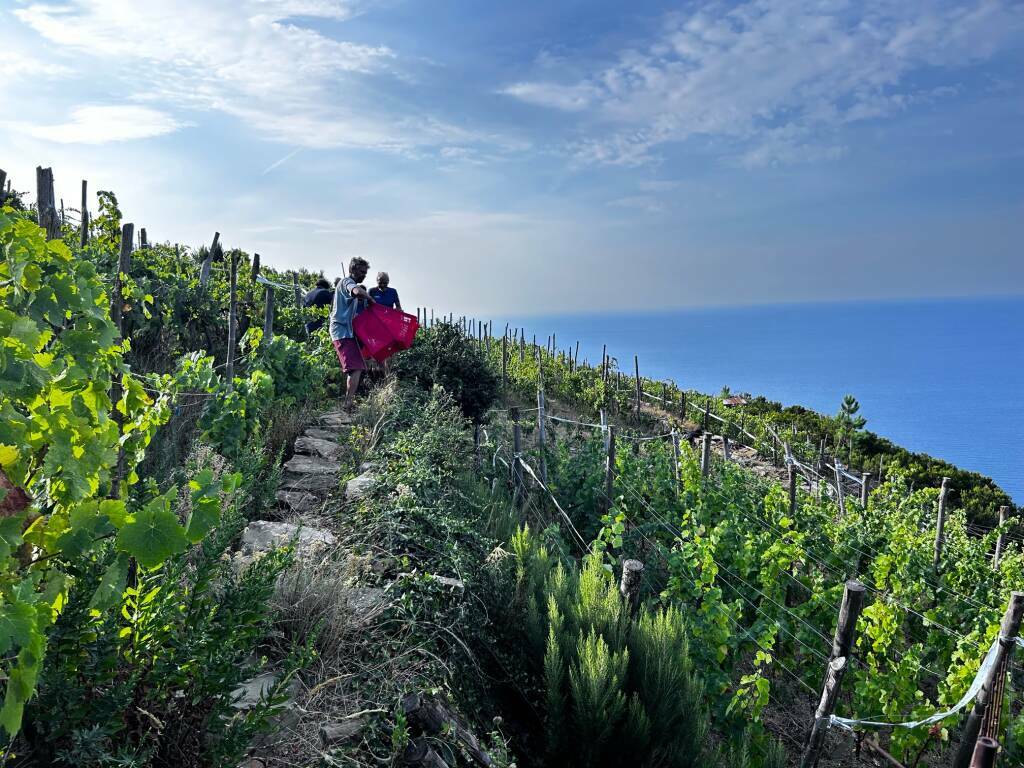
255,267
705,454
985,753
609,470
84,234
636,366
143,239
629,586
3,179
298,303
839,488
204,270
1004,513
865,484
940,523
1008,631
849,612
229,367
517,472
725,445
46,204
268,314
682,405
124,265
793,489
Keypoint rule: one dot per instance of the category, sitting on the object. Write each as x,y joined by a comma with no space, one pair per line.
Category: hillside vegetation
476,572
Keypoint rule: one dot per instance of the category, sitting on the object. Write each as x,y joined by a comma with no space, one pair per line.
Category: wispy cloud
256,60
774,78
104,125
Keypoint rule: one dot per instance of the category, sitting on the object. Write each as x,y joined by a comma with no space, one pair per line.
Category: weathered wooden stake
629,586
725,447
254,273
3,179
839,488
604,363
84,235
1004,513
298,303
865,484
675,459
46,205
143,240
229,368
849,612
124,265
268,314
204,270
517,447
504,360
609,469
985,752
792,490
1008,631
705,454
541,436
636,367
940,522
682,405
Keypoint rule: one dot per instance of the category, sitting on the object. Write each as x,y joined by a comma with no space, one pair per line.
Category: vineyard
519,558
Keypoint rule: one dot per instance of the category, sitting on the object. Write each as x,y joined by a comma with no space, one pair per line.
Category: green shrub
442,356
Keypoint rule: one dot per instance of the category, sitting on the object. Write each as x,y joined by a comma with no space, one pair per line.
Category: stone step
335,419
357,487
299,502
315,446
322,434
311,483
311,465
261,536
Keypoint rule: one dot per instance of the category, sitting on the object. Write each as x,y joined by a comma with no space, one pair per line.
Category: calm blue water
943,377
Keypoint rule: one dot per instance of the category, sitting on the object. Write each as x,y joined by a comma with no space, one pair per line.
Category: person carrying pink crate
350,298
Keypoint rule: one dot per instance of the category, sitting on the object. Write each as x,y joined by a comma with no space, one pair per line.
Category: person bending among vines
350,297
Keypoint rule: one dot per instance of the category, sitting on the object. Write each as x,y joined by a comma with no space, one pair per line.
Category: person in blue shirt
321,296
383,295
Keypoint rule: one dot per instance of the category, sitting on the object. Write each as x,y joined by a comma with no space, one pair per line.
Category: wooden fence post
1008,631
1004,513
84,235
541,436
254,273
865,484
46,205
849,612
985,753
124,265
204,270
609,470
636,367
143,240
725,447
268,315
682,405
940,522
705,454
3,179
517,472
298,303
229,372
839,488
792,490
675,459
604,363
629,586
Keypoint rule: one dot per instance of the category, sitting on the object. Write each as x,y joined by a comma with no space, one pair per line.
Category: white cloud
803,67
256,60
104,124
15,64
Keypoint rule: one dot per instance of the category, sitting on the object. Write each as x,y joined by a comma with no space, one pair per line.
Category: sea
945,377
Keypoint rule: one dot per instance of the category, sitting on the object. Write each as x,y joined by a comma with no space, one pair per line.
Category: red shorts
349,355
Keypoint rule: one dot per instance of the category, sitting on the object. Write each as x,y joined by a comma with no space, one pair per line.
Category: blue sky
546,156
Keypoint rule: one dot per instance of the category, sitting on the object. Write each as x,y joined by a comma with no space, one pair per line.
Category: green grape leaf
153,534
17,625
108,593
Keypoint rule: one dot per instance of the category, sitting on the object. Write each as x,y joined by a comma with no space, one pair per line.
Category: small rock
364,600
367,466
299,502
315,446
357,487
248,694
252,762
337,733
263,535
311,465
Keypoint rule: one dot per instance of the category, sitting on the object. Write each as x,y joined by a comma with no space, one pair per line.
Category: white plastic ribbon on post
979,680
262,279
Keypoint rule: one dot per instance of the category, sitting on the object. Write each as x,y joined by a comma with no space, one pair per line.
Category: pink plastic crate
384,331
